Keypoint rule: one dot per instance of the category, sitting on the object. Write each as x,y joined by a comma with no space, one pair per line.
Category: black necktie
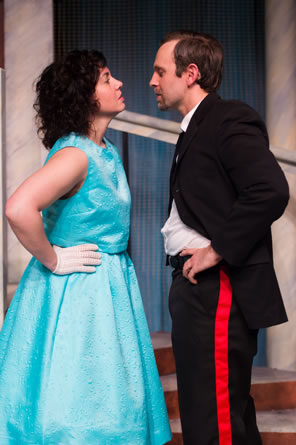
179,144
174,165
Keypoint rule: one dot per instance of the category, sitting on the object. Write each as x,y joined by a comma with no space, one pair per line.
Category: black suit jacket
228,186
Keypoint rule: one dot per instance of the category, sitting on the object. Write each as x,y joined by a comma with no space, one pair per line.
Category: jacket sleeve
261,188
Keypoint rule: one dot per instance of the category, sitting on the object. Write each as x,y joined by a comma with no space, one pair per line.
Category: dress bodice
99,212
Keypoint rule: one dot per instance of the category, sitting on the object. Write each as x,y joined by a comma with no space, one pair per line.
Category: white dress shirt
177,236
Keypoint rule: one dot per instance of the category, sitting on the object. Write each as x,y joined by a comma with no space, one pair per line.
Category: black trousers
214,351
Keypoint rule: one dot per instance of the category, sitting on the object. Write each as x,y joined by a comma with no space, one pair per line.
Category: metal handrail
168,131
284,156
146,126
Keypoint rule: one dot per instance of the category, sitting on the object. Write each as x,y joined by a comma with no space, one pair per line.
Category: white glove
76,259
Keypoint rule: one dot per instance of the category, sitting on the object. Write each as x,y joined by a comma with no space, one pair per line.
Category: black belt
178,261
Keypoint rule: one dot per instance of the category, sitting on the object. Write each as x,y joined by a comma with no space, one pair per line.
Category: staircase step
278,438
169,384
281,421
273,389
176,432
274,392
163,353
277,427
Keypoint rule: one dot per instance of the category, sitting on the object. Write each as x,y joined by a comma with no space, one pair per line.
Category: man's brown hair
201,49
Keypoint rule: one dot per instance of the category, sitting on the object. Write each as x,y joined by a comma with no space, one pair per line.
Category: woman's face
108,94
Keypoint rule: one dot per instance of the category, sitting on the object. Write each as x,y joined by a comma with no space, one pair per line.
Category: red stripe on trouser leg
221,360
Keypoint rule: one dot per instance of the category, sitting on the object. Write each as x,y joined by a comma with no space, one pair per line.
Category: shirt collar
185,122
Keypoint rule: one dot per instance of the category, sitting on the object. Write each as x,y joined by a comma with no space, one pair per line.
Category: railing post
3,235
125,161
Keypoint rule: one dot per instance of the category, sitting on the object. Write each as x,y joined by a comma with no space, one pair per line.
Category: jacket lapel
199,115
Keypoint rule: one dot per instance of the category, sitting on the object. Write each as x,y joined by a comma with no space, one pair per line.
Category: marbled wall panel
281,121
28,49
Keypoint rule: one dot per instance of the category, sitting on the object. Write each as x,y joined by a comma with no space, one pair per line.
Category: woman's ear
97,102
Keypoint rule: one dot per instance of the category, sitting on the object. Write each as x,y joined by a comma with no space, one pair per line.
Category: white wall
281,121
28,49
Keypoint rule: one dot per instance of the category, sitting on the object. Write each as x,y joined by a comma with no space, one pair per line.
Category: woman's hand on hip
81,258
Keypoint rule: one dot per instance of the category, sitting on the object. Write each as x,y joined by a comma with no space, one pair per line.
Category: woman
76,362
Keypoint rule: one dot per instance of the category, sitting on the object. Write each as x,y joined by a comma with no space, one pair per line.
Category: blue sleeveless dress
76,362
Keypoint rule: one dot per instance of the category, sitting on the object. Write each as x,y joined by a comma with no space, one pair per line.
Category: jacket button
177,190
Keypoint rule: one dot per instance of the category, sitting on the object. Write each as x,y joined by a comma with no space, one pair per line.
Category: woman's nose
119,84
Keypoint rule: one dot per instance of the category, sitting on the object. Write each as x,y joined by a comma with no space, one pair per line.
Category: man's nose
153,81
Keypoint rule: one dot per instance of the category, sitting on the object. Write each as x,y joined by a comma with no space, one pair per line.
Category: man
226,189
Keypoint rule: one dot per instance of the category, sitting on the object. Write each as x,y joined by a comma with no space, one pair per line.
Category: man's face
168,87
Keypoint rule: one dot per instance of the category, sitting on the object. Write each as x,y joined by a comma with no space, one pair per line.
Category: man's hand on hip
201,259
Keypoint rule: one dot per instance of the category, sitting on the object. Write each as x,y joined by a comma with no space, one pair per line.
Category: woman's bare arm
65,170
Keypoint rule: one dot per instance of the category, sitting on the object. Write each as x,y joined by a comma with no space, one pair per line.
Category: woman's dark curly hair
65,95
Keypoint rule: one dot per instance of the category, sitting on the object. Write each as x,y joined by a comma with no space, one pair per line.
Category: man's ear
192,74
